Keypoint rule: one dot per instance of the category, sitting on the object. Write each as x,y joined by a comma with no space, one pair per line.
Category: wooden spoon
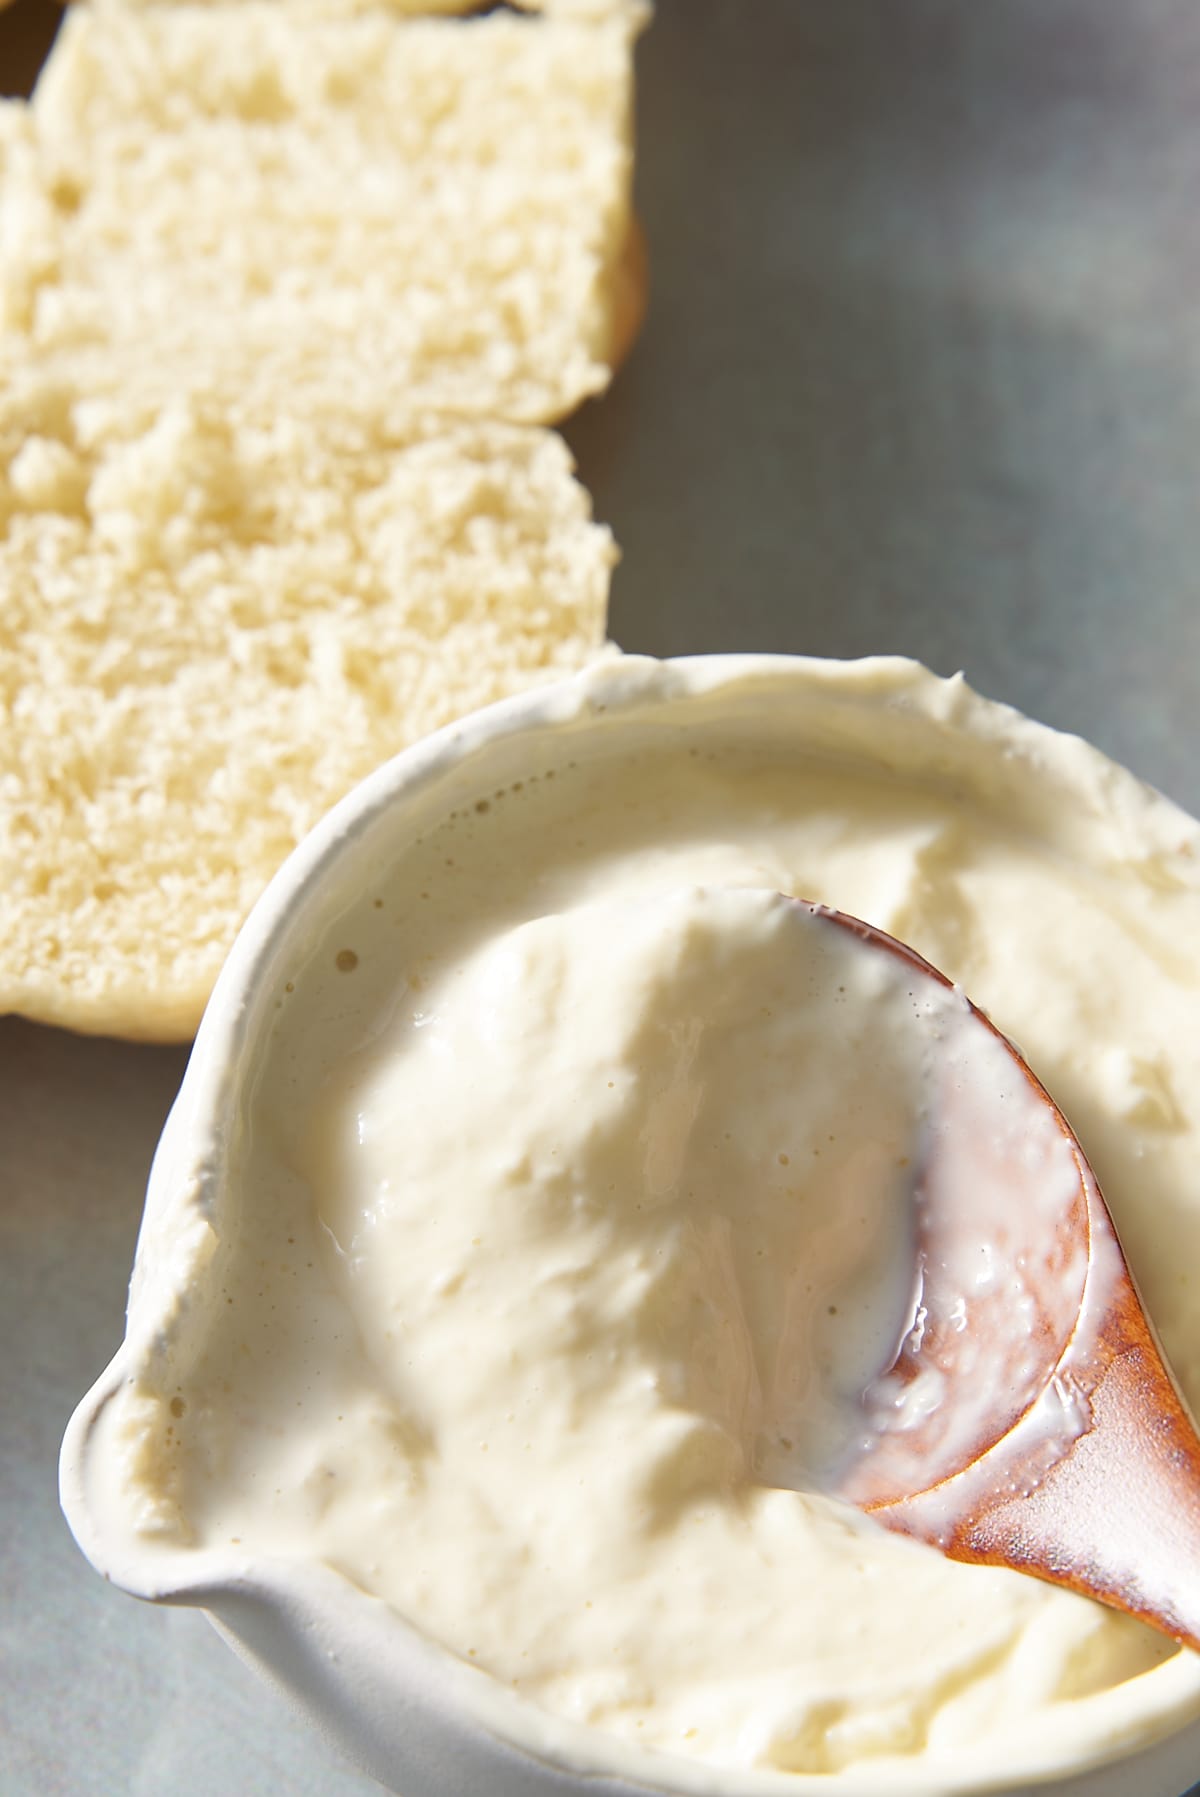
1036,1426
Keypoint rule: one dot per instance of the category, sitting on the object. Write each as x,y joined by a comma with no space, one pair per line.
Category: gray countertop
921,374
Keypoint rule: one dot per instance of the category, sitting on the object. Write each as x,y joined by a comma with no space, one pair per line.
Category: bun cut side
209,635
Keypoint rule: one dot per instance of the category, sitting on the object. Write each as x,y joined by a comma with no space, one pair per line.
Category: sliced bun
285,286
431,210
210,632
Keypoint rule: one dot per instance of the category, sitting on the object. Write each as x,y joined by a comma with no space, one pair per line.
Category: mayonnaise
577,1221
690,1124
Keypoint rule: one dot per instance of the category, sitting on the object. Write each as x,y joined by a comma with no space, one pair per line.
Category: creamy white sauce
451,1357
668,1146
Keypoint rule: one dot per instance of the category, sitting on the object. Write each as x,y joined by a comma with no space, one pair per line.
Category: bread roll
209,631
432,210
409,8
282,285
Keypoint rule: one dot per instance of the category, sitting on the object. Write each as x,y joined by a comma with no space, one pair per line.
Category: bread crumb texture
431,211
209,632
341,9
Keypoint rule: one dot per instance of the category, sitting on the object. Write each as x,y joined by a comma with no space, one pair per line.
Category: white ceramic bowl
417,1718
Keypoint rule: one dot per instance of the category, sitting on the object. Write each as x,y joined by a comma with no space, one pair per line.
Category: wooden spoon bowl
1035,1423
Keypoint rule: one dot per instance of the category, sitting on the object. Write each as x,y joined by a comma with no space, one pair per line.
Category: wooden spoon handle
1118,1517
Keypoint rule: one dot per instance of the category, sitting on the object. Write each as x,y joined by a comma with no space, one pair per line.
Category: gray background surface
921,374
